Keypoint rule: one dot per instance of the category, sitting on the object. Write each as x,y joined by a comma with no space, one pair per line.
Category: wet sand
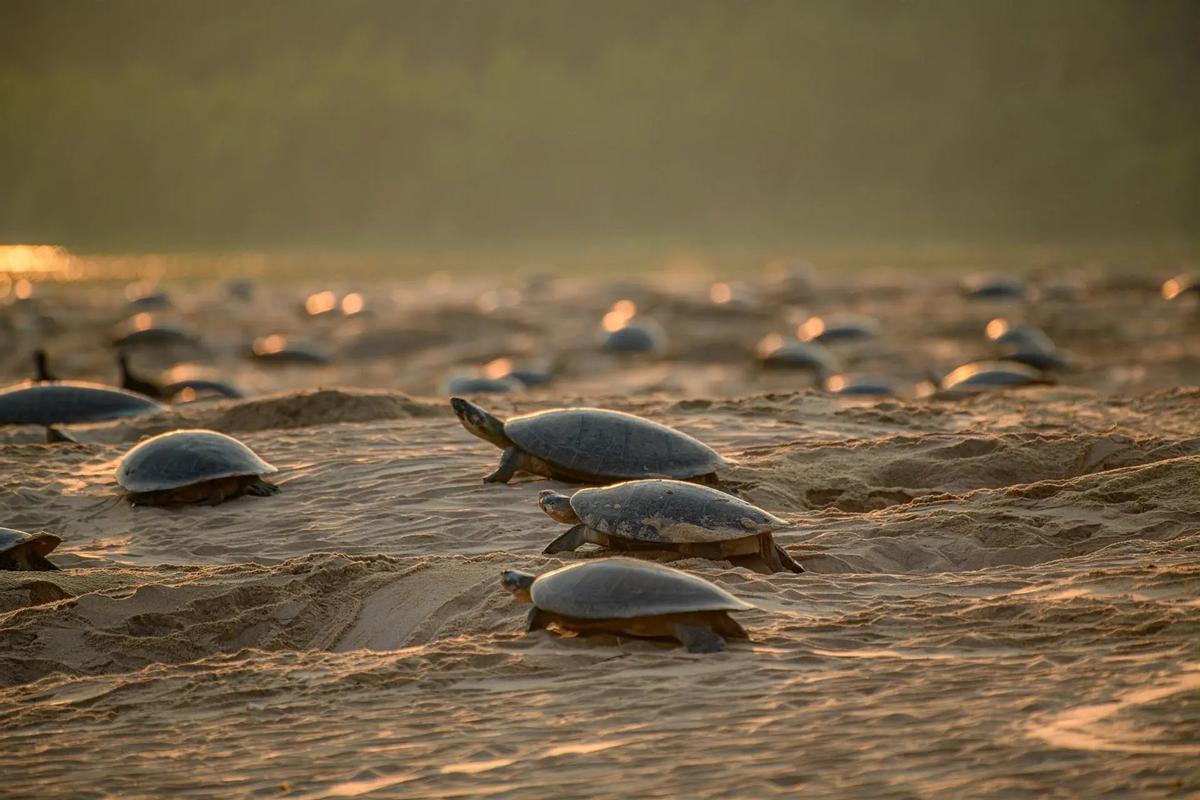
1001,596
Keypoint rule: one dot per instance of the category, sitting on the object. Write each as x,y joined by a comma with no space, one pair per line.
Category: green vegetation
219,123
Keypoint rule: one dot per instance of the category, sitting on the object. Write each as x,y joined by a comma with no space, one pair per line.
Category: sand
1001,596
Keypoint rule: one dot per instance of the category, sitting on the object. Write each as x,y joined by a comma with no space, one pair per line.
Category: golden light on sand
352,304
139,289
320,303
720,293
186,395
836,383
1173,287
23,289
142,322
997,328
497,368
811,328
19,258
266,345
619,315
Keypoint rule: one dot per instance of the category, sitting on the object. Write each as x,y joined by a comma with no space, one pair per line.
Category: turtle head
480,422
558,506
519,583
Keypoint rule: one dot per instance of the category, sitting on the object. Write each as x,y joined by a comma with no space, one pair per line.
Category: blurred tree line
231,122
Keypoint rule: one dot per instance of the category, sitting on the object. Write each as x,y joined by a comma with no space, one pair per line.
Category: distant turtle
135,383
1024,337
277,349
471,384
994,287
636,337
65,402
669,515
194,388
152,301
991,374
835,330
622,596
589,445
192,466
1038,359
156,336
775,352
859,386
26,551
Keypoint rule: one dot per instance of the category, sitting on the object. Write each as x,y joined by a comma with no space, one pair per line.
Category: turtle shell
65,402
982,374
623,588
181,458
597,443
670,512
44,542
203,386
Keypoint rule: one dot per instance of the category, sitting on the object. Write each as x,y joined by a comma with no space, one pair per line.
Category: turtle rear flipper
698,639
569,541
537,619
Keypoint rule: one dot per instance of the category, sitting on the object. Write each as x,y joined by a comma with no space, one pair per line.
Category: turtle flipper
216,496
512,460
569,541
781,561
260,488
537,620
39,562
698,639
56,436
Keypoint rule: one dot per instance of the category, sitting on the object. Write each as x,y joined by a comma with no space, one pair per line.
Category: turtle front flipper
537,620
780,561
513,459
574,538
698,639
40,563
57,436
260,488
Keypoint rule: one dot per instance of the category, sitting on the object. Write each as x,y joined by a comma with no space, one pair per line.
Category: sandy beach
1000,598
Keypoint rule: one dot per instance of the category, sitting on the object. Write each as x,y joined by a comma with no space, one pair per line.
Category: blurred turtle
775,352
278,349
994,287
589,445
474,384
636,337
669,515
836,330
622,596
192,389
26,551
66,402
192,466
981,375
859,386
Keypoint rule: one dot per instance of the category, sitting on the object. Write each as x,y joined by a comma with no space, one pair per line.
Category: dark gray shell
670,512
984,374
64,402
635,338
597,443
181,458
847,329
790,354
859,386
11,539
158,336
622,588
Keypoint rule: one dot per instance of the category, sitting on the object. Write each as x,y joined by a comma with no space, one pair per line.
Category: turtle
835,330
775,352
635,338
859,386
65,402
278,349
193,388
156,336
192,466
669,515
1024,337
135,383
623,596
589,445
26,551
994,287
991,374
472,384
